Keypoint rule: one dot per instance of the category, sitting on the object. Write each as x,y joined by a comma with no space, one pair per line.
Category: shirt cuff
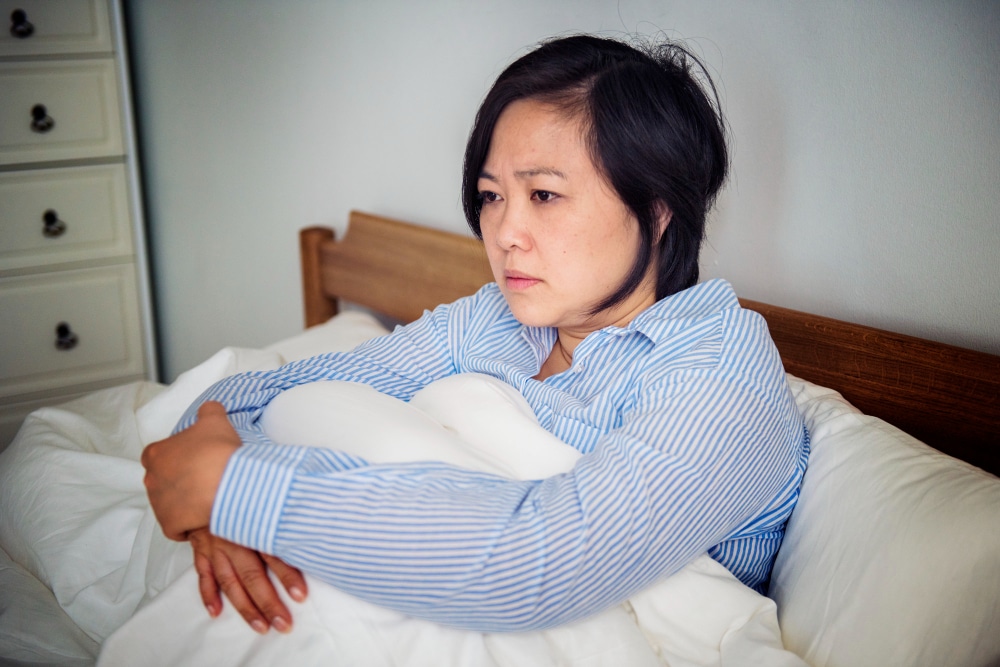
251,495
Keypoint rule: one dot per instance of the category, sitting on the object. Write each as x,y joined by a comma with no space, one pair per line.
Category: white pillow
892,555
470,421
344,331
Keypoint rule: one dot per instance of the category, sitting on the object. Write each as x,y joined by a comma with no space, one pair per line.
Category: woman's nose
513,231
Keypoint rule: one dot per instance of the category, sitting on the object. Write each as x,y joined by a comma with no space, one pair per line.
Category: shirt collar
703,300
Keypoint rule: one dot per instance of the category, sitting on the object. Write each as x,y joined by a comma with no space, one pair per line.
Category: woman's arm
182,475
705,455
397,364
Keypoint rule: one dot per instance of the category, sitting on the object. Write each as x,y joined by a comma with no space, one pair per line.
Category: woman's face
559,239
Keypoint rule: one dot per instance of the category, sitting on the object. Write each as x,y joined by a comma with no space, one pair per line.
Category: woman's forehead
532,138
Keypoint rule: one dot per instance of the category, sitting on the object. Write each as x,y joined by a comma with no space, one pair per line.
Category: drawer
54,26
58,111
93,311
53,216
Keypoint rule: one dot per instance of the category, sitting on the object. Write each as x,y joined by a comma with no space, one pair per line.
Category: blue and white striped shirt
691,442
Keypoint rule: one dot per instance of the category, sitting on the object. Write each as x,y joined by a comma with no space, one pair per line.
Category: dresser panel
54,27
67,328
54,216
58,111
75,303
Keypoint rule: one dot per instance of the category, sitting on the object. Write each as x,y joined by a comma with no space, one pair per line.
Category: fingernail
297,594
212,611
259,626
280,624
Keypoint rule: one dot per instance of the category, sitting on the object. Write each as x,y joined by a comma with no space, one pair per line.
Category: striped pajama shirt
690,437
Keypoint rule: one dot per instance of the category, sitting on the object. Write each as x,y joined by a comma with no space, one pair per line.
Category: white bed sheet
36,631
76,518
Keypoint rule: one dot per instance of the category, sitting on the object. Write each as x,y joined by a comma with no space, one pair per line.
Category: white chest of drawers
75,305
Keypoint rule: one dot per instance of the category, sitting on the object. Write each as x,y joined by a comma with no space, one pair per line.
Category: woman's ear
663,217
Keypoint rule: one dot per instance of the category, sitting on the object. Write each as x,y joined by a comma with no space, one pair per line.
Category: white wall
866,180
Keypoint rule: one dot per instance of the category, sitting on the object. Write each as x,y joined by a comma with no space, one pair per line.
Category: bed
891,557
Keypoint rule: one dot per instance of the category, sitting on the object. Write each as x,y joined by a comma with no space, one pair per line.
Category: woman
588,175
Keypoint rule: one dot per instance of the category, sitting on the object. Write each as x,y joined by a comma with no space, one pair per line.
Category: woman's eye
488,197
544,195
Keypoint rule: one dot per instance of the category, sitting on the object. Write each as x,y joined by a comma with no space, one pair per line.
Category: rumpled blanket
76,517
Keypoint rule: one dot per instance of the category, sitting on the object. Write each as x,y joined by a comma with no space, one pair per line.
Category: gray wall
866,181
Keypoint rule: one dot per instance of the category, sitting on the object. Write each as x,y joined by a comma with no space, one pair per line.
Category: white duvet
76,517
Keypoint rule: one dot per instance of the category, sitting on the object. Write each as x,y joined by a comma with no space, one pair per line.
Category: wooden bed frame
947,396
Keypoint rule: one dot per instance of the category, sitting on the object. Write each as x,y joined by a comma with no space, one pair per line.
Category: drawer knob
65,338
54,227
41,121
20,26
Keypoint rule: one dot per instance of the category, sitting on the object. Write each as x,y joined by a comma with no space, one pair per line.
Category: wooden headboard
947,396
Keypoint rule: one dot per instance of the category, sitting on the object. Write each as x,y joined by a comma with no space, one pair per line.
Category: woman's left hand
183,471
242,575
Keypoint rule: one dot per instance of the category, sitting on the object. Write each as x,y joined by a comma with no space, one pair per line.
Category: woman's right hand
241,574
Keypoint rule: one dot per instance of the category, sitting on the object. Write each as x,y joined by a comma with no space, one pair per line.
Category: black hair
653,131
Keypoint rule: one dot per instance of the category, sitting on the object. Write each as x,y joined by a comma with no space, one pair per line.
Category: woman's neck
560,358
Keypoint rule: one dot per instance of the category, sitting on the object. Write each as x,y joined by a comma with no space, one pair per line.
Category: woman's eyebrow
540,171
527,173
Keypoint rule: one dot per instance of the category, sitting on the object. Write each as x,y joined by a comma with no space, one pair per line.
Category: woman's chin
530,315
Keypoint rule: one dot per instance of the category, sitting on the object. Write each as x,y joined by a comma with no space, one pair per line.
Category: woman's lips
519,281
